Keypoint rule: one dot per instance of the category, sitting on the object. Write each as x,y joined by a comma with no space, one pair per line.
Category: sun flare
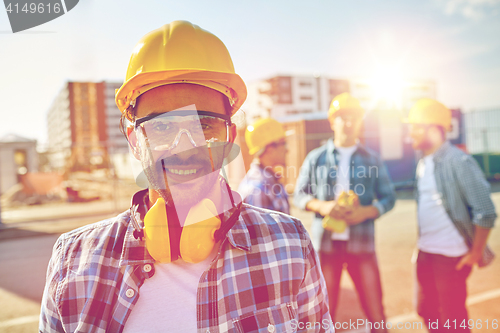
387,85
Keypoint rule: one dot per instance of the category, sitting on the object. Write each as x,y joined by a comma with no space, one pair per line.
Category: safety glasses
163,131
278,144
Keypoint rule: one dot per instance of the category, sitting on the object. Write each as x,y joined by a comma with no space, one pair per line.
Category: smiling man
188,256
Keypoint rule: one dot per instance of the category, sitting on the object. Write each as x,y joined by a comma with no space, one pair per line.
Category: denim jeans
364,272
441,292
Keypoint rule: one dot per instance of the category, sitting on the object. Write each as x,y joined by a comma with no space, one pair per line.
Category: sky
456,43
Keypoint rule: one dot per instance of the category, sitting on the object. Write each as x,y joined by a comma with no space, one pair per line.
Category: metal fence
482,131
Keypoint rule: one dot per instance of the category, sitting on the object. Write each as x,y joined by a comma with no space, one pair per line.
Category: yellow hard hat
263,132
346,102
180,52
429,112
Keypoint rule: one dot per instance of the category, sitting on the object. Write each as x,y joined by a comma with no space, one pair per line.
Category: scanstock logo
28,14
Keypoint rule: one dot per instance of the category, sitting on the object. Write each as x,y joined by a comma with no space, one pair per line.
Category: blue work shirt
368,178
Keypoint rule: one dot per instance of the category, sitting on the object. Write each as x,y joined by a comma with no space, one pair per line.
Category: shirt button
147,268
130,293
270,328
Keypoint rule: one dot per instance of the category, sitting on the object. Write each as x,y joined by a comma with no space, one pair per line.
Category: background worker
344,164
261,186
455,216
188,256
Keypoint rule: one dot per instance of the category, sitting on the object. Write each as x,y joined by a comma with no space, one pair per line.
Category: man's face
346,126
187,171
420,136
278,151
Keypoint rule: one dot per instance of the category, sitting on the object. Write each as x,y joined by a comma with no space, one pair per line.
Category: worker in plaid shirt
261,185
188,256
455,217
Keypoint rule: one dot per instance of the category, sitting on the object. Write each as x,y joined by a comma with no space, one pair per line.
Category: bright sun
387,85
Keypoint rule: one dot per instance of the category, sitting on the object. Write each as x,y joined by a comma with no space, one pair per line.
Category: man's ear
132,141
331,120
232,133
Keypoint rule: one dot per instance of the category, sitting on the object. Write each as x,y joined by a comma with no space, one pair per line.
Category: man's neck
433,149
265,161
345,144
215,195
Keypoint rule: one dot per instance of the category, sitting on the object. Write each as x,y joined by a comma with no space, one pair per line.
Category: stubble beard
186,194
423,145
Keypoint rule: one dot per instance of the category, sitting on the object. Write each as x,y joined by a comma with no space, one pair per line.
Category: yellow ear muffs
156,232
197,238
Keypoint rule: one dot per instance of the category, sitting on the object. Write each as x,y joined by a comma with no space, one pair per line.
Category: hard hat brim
229,84
408,121
333,112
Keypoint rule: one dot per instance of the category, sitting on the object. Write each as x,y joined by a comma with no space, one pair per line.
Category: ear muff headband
201,231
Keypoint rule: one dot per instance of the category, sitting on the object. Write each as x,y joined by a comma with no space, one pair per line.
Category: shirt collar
134,249
441,152
239,236
330,147
265,171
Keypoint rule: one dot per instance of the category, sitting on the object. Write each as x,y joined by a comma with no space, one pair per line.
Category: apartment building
83,126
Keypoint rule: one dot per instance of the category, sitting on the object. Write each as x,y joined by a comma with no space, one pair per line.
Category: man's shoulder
455,152
369,153
253,176
250,185
280,224
455,156
113,229
314,154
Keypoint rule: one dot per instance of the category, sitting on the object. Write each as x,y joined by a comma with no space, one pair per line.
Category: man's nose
185,148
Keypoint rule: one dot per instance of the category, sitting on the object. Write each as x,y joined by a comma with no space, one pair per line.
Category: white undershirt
167,300
438,234
343,181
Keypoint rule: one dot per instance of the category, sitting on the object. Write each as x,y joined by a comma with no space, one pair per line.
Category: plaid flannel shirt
266,276
368,178
465,194
262,189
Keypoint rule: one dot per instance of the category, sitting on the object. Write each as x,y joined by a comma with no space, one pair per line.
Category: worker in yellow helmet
188,256
261,186
328,173
455,216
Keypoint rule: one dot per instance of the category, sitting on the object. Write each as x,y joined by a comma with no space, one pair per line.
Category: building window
285,83
285,98
306,98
